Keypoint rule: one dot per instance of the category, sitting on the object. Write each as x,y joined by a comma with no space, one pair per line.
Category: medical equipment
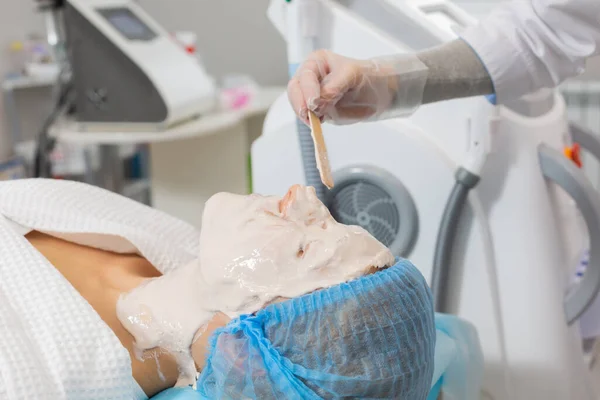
583,106
510,263
121,71
127,70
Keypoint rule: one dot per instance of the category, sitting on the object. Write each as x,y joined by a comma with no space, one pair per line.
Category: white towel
53,345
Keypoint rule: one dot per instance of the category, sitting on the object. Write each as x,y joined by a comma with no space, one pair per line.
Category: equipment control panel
127,23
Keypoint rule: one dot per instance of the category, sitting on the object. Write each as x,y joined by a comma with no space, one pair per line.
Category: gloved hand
344,90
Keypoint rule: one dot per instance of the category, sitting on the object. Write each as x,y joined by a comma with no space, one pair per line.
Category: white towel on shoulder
53,345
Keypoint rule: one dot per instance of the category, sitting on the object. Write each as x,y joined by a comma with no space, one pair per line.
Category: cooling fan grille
377,201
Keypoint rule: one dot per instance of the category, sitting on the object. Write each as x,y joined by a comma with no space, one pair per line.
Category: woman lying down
104,298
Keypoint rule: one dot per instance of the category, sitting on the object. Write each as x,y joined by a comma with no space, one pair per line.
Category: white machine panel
511,259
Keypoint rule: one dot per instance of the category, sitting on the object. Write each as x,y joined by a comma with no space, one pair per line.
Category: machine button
573,153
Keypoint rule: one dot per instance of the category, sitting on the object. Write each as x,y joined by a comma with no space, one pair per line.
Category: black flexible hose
442,262
45,144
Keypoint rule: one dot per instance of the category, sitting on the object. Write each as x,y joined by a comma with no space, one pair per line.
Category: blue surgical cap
370,338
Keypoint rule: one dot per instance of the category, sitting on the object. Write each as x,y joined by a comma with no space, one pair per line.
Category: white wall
17,19
233,35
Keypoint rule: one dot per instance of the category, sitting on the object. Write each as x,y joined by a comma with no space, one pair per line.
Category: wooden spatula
320,150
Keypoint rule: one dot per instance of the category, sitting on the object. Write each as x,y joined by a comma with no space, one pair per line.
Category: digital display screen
127,23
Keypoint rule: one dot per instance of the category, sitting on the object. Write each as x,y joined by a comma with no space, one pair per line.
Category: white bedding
53,345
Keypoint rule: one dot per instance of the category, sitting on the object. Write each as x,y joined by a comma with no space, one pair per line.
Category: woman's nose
288,199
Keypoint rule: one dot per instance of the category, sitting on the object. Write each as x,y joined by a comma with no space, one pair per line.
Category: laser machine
121,71
128,72
497,250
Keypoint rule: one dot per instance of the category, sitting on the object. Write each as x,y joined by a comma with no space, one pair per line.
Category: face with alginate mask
281,247
253,250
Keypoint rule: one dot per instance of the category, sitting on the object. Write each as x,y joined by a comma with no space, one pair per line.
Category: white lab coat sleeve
527,45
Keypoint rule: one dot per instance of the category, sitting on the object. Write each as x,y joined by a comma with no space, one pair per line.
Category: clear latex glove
344,90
